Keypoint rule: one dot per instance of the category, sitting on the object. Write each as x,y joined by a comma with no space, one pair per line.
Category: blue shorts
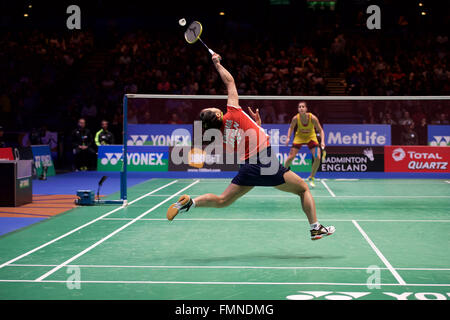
250,172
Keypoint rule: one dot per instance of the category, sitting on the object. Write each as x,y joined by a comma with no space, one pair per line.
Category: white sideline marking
222,267
315,196
380,255
111,234
329,190
274,219
84,225
231,283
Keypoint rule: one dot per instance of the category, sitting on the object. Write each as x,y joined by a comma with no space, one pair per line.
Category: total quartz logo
417,159
398,154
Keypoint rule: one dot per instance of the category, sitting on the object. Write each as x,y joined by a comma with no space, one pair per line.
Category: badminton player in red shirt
259,167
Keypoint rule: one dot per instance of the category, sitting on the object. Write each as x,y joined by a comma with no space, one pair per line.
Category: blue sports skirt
250,173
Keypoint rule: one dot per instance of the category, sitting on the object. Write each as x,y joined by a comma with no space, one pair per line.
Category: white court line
315,196
274,219
196,267
221,267
229,283
380,255
387,196
329,190
111,234
83,226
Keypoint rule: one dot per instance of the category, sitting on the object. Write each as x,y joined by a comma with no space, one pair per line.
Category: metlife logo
357,135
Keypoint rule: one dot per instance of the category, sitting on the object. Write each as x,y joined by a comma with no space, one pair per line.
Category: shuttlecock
182,22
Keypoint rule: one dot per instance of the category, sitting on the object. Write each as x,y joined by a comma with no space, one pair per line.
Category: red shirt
242,134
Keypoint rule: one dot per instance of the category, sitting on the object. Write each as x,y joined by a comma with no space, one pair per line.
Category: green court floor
392,242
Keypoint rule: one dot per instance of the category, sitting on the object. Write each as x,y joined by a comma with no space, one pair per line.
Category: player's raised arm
228,80
255,115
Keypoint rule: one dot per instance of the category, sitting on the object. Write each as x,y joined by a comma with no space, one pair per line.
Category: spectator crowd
53,80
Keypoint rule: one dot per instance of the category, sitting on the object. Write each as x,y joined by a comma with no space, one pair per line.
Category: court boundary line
320,196
83,226
328,188
275,219
379,254
222,267
226,283
45,275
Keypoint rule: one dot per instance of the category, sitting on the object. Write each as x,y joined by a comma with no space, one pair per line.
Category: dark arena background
85,85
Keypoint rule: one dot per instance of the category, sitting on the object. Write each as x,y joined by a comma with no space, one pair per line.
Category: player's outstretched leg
185,202
316,154
295,184
292,153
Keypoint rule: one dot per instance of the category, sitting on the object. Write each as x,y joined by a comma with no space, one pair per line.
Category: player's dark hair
210,120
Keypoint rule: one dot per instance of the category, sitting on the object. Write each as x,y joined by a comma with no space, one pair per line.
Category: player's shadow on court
264,257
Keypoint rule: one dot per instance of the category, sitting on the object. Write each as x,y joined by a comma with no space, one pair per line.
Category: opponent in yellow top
306,124
305,133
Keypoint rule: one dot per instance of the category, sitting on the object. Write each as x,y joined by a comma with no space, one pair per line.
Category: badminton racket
193,33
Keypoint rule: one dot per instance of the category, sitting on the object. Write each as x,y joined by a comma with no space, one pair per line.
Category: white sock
315,225
193,204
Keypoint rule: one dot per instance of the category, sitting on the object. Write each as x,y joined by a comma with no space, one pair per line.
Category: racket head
193,32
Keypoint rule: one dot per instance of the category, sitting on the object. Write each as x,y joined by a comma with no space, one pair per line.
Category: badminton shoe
322,232
183,204
311,182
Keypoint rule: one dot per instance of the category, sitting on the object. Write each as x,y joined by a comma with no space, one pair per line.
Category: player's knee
223,202
302,188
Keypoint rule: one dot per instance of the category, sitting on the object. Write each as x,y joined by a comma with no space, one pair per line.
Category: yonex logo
330,295
137,140
398,154
441,141
179,137
111,158
299,160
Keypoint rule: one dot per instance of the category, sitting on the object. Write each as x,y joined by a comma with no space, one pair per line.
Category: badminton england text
235,309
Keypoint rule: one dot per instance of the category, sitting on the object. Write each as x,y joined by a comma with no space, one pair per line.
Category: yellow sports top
305,133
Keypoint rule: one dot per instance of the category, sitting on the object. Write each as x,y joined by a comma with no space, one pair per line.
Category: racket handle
210,51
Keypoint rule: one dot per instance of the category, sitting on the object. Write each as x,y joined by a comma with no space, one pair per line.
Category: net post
123,173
